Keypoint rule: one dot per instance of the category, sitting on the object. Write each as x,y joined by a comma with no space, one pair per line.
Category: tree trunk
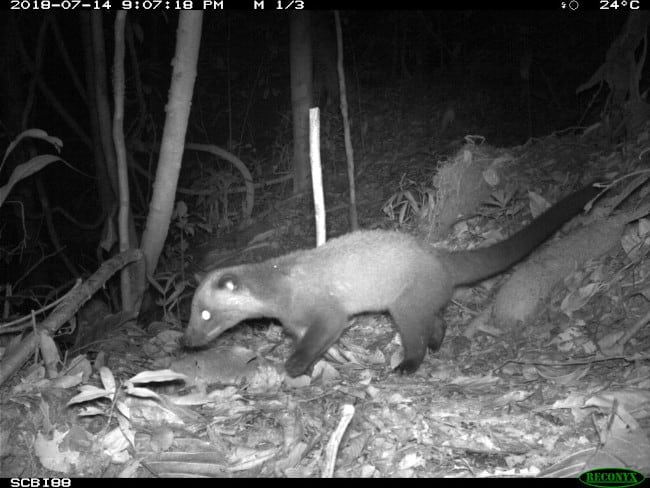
301,90
188,41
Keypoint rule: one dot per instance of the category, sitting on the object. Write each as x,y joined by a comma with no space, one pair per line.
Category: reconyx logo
611,477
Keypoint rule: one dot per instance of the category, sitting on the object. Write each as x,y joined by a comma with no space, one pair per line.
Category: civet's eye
228,282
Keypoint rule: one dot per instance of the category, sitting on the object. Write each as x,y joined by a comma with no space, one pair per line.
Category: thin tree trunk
188,40
301,91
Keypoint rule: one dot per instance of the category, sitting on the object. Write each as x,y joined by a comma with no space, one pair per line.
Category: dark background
506,75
